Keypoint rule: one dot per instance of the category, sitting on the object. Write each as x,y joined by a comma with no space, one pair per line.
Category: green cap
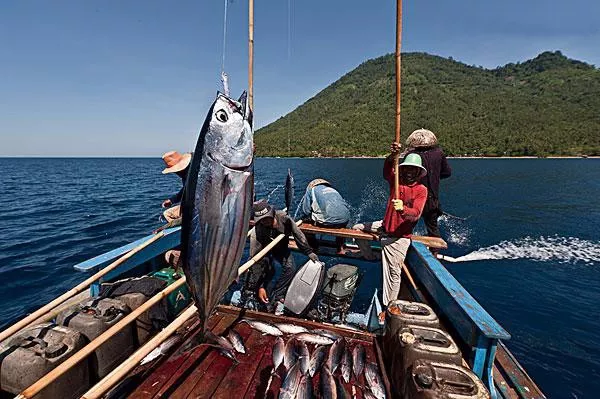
414,160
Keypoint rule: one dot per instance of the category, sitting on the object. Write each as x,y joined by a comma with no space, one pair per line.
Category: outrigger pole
251,54
398,91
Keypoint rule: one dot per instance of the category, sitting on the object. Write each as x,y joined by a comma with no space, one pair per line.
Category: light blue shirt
324,205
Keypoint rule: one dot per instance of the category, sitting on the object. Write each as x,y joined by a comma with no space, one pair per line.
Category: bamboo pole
398,93
243,268
251,54
124,368
46,380
76,290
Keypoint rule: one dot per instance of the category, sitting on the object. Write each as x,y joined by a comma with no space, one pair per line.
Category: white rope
224,79
224,36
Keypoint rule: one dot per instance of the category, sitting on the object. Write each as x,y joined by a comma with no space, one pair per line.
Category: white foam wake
558,249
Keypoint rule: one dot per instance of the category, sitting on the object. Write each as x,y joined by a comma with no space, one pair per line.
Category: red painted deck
205,373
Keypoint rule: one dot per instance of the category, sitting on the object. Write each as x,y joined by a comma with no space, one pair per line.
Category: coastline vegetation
547,106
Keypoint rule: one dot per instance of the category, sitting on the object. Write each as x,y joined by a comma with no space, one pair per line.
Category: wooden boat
203,372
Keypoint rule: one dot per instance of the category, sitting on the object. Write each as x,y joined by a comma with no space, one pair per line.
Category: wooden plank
433,242
516,376
222,370
258,384
453,301
271,318
236,382
197,362
157,379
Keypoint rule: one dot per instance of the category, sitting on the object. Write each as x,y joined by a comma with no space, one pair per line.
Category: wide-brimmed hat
318,182
414,160
261,210
421,138
175,161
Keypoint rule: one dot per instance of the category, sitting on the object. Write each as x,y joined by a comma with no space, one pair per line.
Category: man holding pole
404,208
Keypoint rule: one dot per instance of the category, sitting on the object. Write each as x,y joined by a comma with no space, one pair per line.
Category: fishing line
224,79
289,56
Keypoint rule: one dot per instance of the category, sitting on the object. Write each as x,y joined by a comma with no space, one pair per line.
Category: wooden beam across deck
432,242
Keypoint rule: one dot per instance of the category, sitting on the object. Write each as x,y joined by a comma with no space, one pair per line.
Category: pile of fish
332,361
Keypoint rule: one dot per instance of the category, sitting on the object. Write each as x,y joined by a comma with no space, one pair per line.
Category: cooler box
178,299
34,352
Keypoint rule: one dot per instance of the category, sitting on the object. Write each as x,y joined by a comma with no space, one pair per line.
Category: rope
224,79
289,56
224,36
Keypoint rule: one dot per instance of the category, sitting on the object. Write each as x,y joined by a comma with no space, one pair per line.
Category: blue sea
525,232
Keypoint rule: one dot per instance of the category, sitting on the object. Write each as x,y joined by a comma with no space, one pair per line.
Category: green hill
549,105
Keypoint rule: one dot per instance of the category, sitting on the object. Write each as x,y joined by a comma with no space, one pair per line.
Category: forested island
547,106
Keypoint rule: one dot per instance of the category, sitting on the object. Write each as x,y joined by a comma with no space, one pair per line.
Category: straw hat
318,182
421,138
414,160
175,161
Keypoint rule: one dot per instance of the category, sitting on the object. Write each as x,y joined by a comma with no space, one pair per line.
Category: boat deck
205,373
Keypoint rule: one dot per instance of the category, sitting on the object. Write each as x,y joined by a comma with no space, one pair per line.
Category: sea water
524,231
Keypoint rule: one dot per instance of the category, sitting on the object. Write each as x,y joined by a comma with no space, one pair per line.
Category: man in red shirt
401,216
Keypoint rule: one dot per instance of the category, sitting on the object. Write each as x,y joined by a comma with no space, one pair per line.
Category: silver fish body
290,384
316,360
313,339
289,191
346,365
358,359
326,333
237,341
290,355
374,380
328,385
278,351
368,395
341,390
264,328
162,349
305,388
216,202
288,328
303,356
335,354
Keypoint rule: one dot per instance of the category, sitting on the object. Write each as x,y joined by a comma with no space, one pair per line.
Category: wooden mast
251,53
398,90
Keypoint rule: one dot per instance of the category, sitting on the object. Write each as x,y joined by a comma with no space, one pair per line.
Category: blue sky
135,78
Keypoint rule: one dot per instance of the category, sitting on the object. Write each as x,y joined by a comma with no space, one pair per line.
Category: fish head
229,140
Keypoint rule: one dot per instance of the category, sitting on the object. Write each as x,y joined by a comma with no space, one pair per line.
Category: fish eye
221,115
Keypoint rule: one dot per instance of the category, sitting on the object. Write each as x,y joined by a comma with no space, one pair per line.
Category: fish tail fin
193,342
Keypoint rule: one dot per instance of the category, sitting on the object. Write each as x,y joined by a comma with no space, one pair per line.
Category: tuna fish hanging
216,202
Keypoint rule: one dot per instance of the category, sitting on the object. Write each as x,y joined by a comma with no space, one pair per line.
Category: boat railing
172,238
477,329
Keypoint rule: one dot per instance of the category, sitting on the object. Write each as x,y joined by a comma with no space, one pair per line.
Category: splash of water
556,249
273,192
371,198
457,231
